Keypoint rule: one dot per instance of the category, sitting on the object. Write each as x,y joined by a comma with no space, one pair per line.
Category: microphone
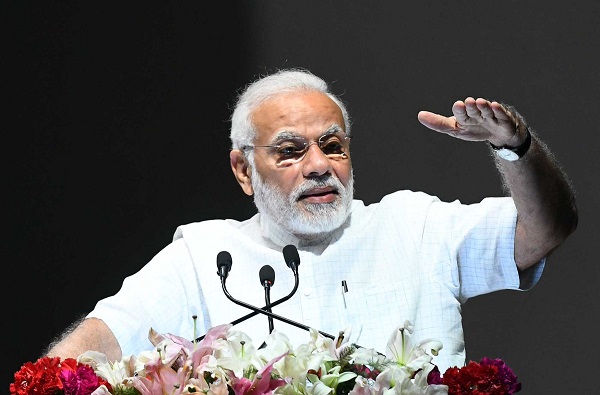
292,260
292,253
223,264
267,279
291,257
267,276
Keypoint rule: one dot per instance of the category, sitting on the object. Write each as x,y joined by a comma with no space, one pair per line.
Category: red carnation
81,381
51,376
489,377
41,377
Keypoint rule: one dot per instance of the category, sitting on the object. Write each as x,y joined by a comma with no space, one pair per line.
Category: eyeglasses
292,150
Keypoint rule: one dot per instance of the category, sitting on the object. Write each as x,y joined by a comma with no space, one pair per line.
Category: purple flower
505,374
83,381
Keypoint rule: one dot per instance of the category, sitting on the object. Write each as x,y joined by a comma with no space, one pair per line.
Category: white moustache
323,182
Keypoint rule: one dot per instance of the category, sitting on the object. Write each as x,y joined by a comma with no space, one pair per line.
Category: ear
241,170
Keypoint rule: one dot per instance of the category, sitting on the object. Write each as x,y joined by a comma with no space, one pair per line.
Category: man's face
312,195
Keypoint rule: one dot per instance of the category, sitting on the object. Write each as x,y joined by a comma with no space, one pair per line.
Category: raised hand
478,120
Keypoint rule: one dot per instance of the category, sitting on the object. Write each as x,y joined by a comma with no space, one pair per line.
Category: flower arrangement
226,362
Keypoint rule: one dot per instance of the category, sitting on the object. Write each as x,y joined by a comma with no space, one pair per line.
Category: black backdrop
115,131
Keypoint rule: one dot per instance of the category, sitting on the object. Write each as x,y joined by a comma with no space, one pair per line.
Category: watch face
507,154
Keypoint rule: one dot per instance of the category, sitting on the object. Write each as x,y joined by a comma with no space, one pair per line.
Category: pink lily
262,383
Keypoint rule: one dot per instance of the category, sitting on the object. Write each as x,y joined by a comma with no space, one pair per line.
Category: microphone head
290,254
224,259
267,275
223,264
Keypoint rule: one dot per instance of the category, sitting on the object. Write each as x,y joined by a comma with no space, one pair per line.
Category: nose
315,163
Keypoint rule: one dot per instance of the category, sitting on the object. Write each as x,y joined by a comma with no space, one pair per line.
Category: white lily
313,368
237,353
366,356
317,387
115,373
401,351
277,344
334,377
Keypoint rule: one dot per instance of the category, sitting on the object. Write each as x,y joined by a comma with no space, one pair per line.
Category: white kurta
408,257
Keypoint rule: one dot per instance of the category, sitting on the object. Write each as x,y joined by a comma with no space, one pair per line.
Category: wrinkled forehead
302,114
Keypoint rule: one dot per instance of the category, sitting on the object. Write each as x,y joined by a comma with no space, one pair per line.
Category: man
408,257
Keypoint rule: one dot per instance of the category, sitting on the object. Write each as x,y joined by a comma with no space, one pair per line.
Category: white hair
284,81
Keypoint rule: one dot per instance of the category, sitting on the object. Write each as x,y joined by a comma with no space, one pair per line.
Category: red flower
81,381
49,376
41,377
489,377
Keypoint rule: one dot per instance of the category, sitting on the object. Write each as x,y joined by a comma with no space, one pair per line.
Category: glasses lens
333,145
290,151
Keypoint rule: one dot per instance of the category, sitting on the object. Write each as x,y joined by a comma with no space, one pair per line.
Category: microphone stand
268,313
277,302
292,260
268,302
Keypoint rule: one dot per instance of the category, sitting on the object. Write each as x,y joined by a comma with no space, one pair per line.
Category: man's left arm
545,201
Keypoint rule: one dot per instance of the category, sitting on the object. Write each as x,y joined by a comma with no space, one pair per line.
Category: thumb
437,122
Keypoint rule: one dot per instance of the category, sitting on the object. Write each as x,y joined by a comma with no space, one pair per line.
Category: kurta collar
281,237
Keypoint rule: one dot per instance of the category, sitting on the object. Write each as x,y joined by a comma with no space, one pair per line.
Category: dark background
115,131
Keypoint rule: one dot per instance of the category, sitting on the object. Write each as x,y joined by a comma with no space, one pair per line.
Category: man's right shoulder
408,197
211,228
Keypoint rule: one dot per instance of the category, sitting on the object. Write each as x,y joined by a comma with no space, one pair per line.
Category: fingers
477,111
485,108
473,120
499,111
473,109
459,109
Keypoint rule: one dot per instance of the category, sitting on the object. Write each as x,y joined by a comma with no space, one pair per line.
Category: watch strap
521,150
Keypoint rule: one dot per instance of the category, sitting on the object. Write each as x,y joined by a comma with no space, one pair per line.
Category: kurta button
307,291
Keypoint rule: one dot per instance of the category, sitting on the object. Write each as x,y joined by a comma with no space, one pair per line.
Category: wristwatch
512,154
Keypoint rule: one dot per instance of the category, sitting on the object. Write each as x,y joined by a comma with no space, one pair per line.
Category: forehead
308,114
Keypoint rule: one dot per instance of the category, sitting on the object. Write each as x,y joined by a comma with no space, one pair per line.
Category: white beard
302,219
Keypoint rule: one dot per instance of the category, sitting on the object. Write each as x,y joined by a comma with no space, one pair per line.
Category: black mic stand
268,302
268,306
267,280
268,313
292,260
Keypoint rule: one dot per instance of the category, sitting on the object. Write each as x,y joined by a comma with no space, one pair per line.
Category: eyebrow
290,134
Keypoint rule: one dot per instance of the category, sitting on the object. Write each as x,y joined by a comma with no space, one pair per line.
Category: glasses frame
307,144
